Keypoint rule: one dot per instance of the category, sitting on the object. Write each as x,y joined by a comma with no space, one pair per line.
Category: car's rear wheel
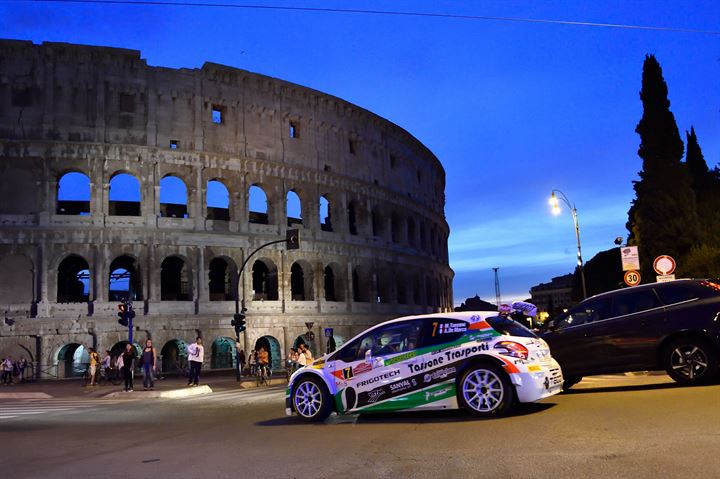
311,399
690,361
571,381
485,390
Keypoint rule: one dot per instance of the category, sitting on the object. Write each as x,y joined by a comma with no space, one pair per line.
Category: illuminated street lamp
555,204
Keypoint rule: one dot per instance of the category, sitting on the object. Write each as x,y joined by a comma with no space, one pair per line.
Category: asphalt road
625,426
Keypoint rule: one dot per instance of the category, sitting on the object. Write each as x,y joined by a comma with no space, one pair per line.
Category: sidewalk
73,388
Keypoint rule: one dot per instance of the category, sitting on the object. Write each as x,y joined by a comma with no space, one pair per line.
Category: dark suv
673,326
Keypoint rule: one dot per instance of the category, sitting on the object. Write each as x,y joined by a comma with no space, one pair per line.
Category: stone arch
378,222
222,279
173,355
384,282
73,280
333,280
310,343
118,348
325,213
19,192
124,195
217,199
428,292
17,279
301,281
401,282
272,346
396,227
175,279
17,352
71,360
73,194
353,214
258,205
265,280
222,353
293,204
173,197
361,284
417,290
411,232
125,280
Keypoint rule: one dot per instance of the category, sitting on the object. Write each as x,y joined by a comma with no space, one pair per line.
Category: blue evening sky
512,110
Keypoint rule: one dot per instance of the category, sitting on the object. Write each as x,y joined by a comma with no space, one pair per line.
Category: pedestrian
149,361
301,357
252,361
106,361
128,364
243,360
331,346
22,365
7,368
308,354
195,358
239,360
94,361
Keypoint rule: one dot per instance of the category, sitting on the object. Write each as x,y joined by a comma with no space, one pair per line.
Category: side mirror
550,326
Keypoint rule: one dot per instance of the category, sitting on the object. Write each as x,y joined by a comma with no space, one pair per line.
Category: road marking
239,396
32,407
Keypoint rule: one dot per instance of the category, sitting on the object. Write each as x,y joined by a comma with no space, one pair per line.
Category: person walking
238,361
195,358
94,361
7,368
301,357
128,364
22,365
252,362
149,361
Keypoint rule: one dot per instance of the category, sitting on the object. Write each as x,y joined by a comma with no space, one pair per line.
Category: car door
574,342
365,369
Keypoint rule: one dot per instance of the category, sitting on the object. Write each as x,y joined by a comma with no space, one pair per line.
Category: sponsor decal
361,368
533,368
381,377
431,395
447,356
441,373
347,373
399,358
451,328
374,395
403,385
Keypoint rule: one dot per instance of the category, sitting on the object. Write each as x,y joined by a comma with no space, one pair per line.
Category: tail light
713,284
511,348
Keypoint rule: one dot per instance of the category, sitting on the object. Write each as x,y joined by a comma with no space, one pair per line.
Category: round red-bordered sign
664,264
632,278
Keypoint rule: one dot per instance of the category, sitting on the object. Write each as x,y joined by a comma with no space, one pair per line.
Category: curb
25,396
173,393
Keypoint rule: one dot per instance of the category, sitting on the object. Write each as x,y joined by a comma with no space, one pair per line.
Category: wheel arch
697,335
314,373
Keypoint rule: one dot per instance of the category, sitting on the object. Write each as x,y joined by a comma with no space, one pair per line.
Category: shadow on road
635,387
427,417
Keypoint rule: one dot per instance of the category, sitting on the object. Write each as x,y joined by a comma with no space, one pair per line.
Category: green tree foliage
604,272
701,262
663,217
706,185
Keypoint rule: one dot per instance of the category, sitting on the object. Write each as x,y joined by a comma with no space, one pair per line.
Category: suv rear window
677,293
505,325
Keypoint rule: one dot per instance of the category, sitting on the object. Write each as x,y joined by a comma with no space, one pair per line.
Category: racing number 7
435,325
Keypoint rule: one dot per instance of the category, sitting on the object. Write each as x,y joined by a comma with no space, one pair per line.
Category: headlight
511,348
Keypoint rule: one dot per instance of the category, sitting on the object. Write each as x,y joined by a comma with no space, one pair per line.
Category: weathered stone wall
104,111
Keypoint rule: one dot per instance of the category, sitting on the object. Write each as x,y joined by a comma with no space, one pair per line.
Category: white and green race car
481,361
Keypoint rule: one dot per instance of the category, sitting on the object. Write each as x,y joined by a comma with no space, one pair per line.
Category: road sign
664,265
632,278
664,278
630,258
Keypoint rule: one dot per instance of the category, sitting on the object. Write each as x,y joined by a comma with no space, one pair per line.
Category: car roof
463,315
641,287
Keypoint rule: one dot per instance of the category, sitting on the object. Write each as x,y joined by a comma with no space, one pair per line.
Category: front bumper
535,385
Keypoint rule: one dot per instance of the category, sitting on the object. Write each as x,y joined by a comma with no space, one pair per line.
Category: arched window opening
173,198
301,282
223,353
417,291
272,346
221,280
73,280
428,292
334,290
352,218
124,282
325,222
402,289
411,231
258,206
396,230
173,356
361,286
72,360
423,237
383,281
294,209
174,280
265,281
124,195
73,194
218,201
309,342
377,222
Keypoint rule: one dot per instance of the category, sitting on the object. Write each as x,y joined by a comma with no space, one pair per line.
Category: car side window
634,302
441,330
587,312
391,339
677,293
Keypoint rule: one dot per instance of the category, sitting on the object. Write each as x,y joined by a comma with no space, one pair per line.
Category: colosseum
123,180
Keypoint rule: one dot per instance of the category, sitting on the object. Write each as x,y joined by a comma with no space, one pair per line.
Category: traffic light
292,239
238,322
122,314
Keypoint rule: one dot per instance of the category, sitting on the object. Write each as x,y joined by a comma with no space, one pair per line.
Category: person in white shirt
302,359
195,359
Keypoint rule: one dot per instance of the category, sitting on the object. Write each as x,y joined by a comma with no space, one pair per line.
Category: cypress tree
663,217
706,185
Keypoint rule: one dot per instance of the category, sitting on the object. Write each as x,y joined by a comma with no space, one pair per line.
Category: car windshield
509,327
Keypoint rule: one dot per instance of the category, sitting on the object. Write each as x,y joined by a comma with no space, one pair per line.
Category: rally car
483,362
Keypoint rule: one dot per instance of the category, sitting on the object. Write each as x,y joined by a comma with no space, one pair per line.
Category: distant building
476,304
554,296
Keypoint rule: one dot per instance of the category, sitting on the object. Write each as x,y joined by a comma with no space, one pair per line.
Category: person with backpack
149,361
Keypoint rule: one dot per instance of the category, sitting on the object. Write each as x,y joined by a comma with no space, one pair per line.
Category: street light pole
556,210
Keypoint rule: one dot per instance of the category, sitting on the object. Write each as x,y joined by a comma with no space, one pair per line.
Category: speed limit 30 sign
632,278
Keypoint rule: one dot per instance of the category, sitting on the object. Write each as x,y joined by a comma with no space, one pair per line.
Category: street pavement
625,426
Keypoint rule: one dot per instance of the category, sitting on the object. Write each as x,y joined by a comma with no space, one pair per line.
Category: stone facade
379,251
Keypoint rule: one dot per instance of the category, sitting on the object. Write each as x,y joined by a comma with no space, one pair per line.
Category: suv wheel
311,399
571,381
690,361
485,390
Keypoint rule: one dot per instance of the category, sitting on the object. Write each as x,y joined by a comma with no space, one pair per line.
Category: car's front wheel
311,399
485,390
690,361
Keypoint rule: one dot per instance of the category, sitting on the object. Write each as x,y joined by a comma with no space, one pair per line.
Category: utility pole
497,288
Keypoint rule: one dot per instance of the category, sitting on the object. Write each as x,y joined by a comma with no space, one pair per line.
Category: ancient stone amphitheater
123,180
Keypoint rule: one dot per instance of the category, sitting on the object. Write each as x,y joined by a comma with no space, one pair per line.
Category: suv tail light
511,348
713,284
